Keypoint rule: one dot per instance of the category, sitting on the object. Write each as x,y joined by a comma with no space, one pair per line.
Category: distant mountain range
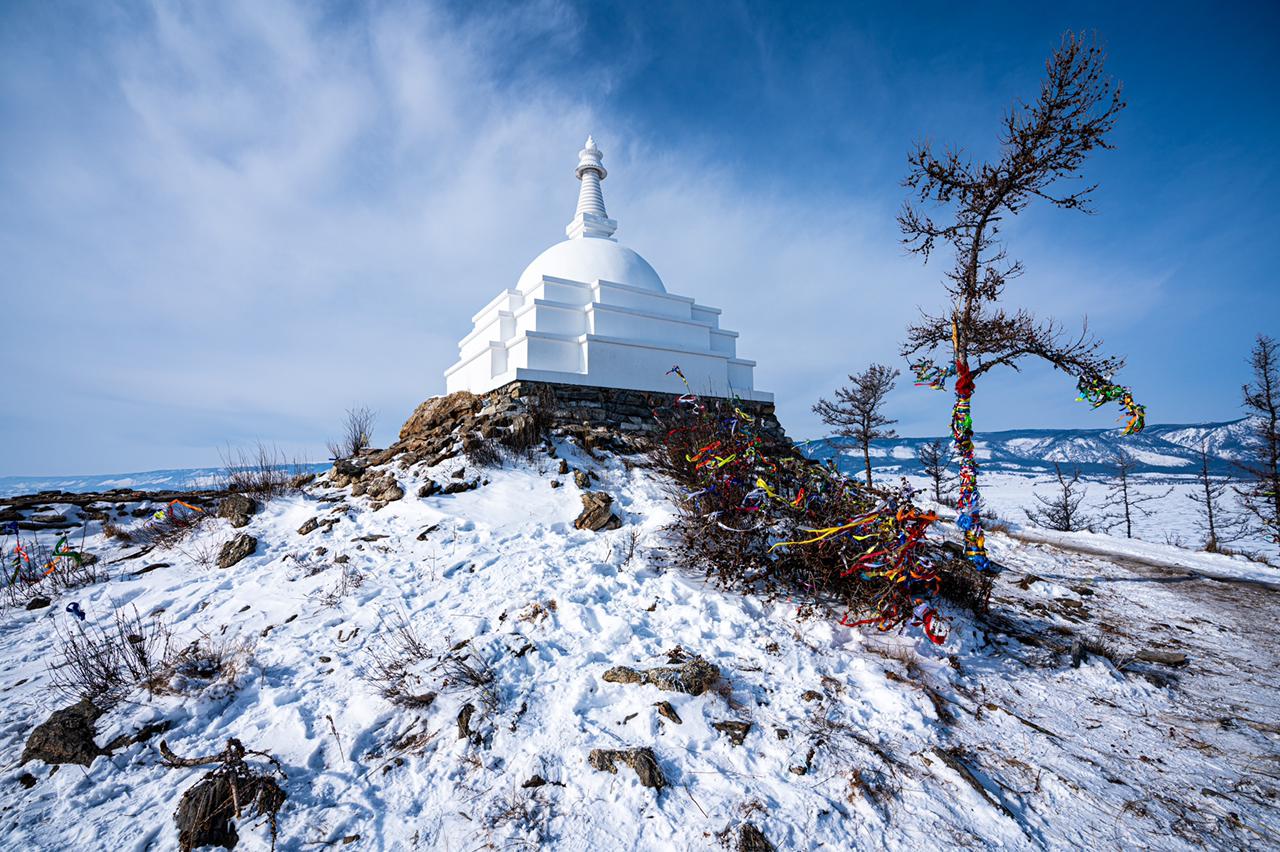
151,480
1157,449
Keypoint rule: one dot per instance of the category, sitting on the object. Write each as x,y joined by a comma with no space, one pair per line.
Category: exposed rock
309,526
555,483
38,602
438,414
751,839
238,548
535,781
1150,655
431,488
595,513
581,480
27,780
642,760
735,731
693,677
459,487
667,711
622,674
563,469
811,695
66,736
237,508
464,721
382,488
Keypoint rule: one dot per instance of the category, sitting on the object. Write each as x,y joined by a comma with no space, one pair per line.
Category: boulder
751,839
383,488
642,760
237,549
66,736
308,526
596,514
237,508
693,677
439,414
735,731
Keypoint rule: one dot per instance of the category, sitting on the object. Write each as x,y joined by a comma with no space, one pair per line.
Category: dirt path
1135,754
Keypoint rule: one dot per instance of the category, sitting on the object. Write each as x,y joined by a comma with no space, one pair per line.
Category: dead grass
393,664
262,471
104,664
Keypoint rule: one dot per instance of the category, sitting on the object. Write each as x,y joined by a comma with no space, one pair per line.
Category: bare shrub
261,471
472,675
103,664
114,531
630,544
205,662
482,452
349,579
170,526
963,584
1061,511
357,434
393,665
759,518
523,813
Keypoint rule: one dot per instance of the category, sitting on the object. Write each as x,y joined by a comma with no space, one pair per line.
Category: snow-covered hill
819,736
1158,449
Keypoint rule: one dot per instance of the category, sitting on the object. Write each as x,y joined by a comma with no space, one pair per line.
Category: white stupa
589,311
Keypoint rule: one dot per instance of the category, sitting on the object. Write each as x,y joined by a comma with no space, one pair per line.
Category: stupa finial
590,219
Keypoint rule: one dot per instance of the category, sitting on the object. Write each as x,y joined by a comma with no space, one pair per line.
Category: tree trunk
866,457
1124,493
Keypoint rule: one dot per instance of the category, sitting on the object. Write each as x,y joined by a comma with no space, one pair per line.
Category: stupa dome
590,259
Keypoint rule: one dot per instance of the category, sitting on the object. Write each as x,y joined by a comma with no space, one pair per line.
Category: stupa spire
590,219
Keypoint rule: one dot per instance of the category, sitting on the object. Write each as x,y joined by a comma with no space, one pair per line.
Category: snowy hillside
815,736
1158,449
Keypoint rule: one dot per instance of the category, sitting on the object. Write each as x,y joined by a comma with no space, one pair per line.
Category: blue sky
226,222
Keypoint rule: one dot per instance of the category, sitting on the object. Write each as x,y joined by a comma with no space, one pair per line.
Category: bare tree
1211,490
1043,146
1123,500
856,411
1261,501
935,461
1062,511
357,434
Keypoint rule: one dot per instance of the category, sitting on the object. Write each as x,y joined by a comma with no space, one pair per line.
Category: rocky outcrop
521,414
596,514
642,760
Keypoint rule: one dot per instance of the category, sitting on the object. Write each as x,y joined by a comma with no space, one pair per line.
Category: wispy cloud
226,221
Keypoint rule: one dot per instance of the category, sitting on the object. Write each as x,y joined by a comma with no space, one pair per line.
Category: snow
1063,757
